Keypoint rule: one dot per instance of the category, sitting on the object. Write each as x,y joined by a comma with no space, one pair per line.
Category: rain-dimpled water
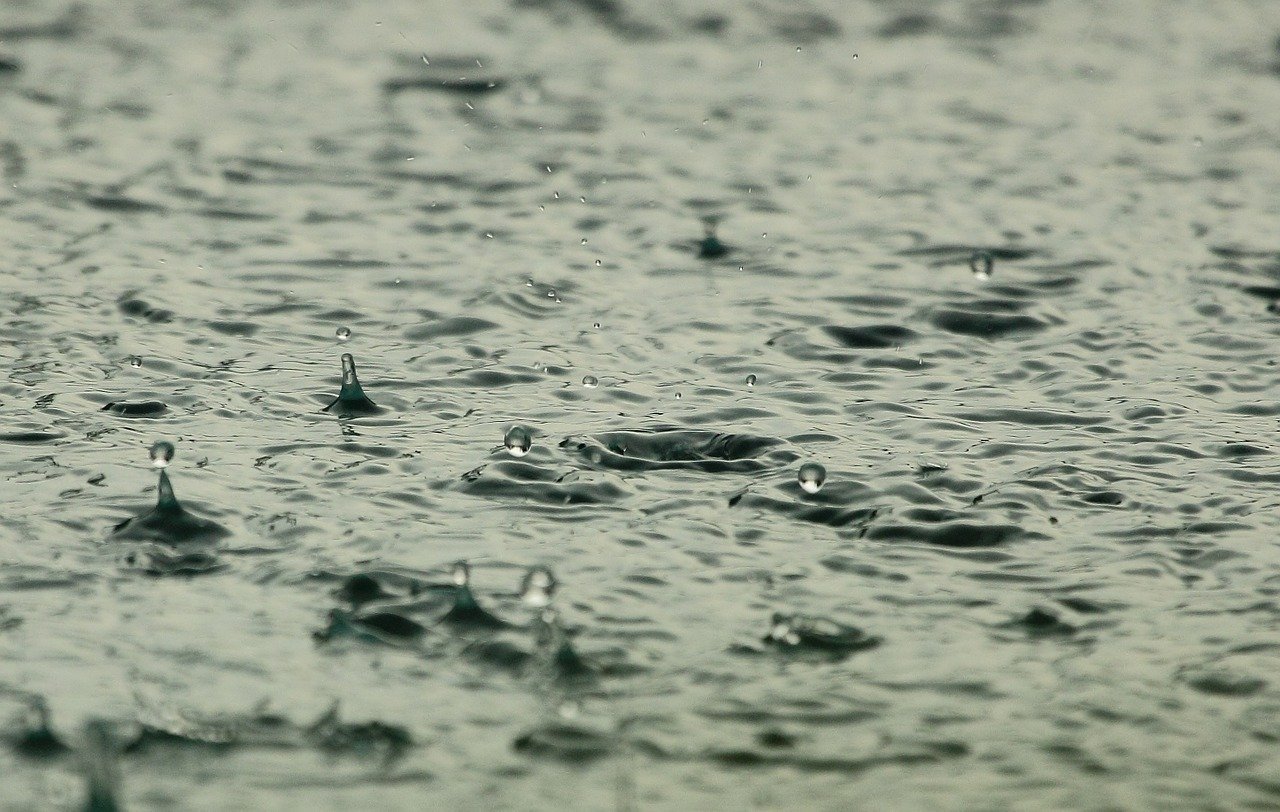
600,404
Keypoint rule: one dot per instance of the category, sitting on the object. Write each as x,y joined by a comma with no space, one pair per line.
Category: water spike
166,500
466,611
351,399
710,246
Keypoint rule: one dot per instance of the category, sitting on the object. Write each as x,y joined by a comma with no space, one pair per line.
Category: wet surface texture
1007,271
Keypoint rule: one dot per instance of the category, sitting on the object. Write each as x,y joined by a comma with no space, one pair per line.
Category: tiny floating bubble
981,264
161,454
135,361
518,441
343,333
811,477
590,381
538,587
751,380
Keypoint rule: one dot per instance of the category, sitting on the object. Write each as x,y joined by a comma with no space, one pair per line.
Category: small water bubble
135,361
811,477
161,453
461,573
518,441
590,381
751,380
343,333
981,264
598,263
538,587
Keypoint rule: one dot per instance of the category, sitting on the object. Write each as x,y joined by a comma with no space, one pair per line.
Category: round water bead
811,477
751,380
161,454
538,587
981,264
518,441
135,361
343,333
590,381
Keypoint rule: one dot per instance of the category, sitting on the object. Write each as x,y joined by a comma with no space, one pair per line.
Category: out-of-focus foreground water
1051,495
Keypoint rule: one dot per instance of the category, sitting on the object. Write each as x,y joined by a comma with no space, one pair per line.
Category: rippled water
1042,569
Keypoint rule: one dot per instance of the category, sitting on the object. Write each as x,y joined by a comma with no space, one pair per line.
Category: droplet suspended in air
551,293
811,477
751,380
981,263
538,587
596,325
135,361
161,454
343,334
461,573
518,441
590,381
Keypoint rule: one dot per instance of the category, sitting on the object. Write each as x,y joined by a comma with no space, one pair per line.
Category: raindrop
584,240
135,361
343,333
461,573
811,477
551,294
598,263
751,380
596,325
518,441
161,453
590,381
981,264
538,587
678,395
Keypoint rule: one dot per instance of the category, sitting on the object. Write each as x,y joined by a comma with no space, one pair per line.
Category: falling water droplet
811,477
596,325
343,333
161,453
461,573
598,263
551,294
678,395
590,381
135,361
538,587
518,441
751,380
584,240
981,264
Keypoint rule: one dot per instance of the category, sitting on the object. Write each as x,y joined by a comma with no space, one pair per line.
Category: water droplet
751,380
538,587
981,264
518,441
797,49
598,263
584,240
161,453
590,381
811,477
551,294
596,325
343,333
135,361
461,573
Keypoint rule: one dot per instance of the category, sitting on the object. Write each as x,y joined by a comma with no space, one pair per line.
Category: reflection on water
889,387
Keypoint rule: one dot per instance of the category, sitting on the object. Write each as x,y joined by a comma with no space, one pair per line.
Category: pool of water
1006,271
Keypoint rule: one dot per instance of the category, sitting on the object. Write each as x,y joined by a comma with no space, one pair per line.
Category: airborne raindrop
981,263
751,380
343,334
161,454
811,477
518,441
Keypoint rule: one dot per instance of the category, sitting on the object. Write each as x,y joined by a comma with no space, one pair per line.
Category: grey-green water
1050,505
